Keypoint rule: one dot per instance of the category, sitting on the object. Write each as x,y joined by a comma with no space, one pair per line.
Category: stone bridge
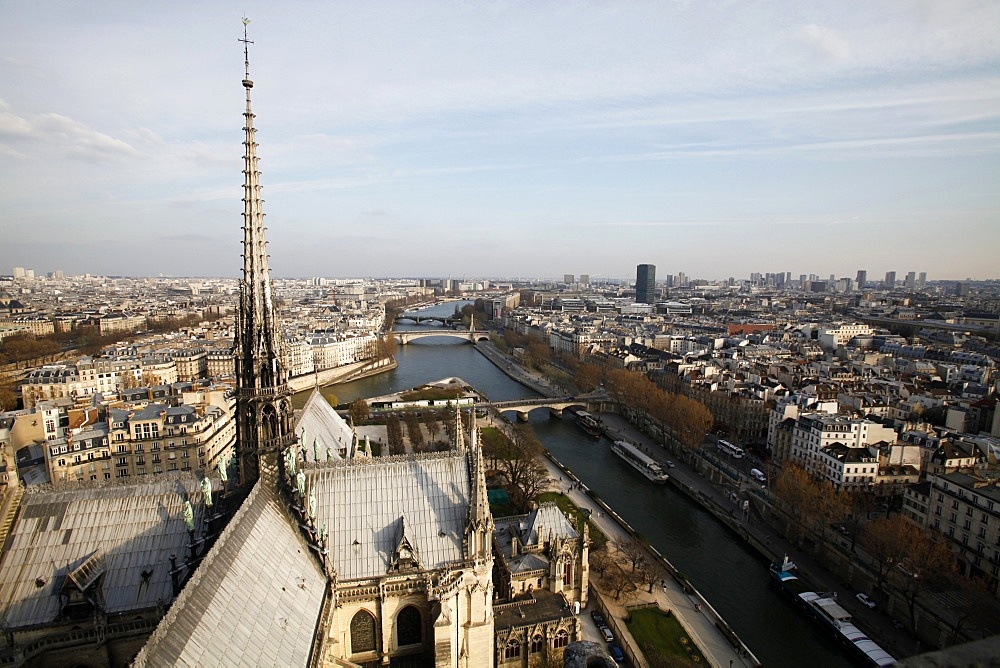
418,319
593,402
405,337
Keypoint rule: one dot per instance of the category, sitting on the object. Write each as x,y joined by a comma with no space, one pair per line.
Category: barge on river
589,423
640,461
830,615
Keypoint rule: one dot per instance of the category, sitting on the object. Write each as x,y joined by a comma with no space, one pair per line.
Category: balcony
267,392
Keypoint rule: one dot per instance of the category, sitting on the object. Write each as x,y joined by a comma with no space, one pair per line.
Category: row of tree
686,419
905,558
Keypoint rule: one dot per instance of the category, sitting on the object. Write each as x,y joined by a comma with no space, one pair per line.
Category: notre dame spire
263,407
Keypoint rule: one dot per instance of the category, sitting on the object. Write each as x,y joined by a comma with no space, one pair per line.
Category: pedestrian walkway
696,616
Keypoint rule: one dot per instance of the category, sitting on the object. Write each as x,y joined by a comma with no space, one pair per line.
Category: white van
758,475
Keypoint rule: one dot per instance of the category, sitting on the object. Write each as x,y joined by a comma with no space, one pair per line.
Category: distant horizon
556,279
504,138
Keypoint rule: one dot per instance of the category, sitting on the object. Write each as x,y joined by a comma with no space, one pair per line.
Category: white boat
640,461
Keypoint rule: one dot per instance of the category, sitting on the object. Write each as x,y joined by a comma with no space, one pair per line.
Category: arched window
512,650
362,632
562,639
537,643
408,626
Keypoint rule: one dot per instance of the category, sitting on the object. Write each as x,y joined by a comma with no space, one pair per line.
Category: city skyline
510,140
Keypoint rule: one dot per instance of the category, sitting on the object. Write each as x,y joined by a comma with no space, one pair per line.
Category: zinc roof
363,502
136,526
254,601
319,422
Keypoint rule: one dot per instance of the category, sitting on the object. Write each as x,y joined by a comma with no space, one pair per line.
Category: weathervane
246,52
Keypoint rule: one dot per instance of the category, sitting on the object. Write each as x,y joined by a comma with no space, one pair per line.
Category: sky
504,139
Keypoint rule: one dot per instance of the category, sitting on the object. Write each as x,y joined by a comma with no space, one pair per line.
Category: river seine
732,577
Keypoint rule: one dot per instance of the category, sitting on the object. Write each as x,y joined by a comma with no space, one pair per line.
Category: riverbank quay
714,493
700,620
342,374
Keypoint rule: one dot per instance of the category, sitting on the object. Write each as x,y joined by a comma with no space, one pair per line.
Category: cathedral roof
319,422
132,529
544,519
255,600
362,502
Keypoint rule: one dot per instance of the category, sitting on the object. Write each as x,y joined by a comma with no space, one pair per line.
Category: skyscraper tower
645,284
263,399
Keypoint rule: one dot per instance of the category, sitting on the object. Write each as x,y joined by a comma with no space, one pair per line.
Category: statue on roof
206,490
300,482
312,503
316,450
188,515
223,475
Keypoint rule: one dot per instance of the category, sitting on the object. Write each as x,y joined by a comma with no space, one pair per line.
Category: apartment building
966,510
191,363
140,441
837,448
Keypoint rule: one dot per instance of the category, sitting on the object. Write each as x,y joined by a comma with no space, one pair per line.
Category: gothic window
537,643
568,573
562,639
362,632
408,626
512,650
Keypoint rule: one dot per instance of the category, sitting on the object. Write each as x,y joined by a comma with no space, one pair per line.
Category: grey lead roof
363,502
254,601
136,526
323,424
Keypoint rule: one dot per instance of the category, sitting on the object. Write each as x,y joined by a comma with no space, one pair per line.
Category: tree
634,550
974,603
927,563
619,583
8,398
587,377
432,423
415,432
650,572
359,411
885,540
516,455
600,559
394,434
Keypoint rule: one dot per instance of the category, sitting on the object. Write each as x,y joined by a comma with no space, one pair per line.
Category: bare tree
619,583
634,550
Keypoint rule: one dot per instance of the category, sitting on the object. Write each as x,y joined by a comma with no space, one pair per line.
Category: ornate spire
263,409
480,522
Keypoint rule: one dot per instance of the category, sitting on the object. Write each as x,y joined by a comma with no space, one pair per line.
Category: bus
735,451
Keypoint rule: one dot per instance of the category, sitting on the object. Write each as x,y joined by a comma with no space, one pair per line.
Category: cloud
60,134
826,43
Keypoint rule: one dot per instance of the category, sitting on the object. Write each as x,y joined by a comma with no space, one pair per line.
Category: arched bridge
594,401
418,319
405,337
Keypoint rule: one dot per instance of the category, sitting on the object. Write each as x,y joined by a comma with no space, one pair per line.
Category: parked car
865,600
606,632
615,650
598,618
669,463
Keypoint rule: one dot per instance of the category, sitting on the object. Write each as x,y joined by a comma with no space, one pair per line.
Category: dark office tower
922,279
645,283
911,280
862,279
890,280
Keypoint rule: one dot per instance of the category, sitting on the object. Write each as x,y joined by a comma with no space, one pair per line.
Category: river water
732,577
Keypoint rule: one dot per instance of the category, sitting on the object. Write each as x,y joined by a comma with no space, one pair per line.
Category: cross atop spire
246,53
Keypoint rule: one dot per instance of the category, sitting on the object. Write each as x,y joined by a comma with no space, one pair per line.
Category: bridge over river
593,402
472,336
